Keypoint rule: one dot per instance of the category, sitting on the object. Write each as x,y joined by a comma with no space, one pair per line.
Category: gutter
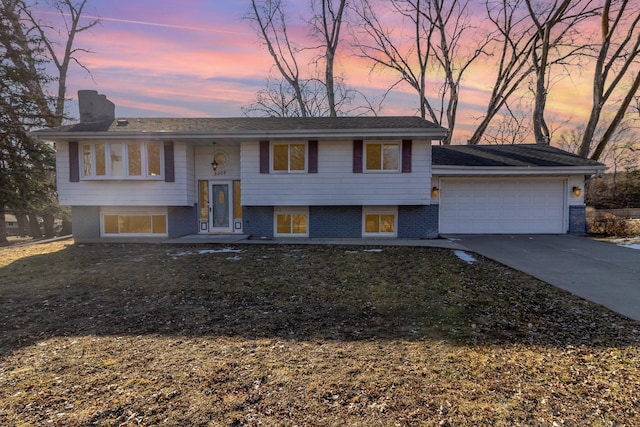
324,134
442,170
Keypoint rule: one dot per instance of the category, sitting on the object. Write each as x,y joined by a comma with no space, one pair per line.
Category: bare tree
315,92
327,24
513,43
510,126
270,19
71,13
408,56
27,44
432,46
616,63
555,26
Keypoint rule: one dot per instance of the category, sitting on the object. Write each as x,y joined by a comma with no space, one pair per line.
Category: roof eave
411,133
517,170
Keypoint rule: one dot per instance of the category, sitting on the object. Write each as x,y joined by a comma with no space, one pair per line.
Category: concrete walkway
597,271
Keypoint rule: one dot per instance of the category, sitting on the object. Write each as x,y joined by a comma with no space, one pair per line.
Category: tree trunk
23,223
48,222
67,228
34,226
3,227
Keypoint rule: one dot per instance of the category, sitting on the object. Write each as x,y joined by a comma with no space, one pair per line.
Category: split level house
346,177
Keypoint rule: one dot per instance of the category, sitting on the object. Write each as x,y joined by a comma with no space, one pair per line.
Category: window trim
288,144
398,144
144,161
380,210
290,210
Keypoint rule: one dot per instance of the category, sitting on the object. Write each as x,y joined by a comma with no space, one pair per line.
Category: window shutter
169,162
74,162
357,156
406,156
313,157
264,156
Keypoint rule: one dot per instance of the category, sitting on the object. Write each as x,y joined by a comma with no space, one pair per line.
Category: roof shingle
517,155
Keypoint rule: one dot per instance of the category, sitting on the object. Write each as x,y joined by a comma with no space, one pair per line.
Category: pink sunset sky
199,58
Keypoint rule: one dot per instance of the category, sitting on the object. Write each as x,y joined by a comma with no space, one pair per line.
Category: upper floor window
117,160
289,157
382,156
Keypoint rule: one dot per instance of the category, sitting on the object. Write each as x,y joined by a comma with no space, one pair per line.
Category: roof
518,155
254,126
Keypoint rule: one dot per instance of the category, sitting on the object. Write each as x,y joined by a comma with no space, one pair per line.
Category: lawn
127,335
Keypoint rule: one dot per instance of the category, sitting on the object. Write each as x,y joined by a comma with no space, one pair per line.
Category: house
343,177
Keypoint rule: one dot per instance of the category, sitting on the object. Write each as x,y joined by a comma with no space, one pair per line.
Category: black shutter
357,156
264,156
74,162
169,162
313,157
406,156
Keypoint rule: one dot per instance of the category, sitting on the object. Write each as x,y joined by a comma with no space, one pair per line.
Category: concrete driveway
600,272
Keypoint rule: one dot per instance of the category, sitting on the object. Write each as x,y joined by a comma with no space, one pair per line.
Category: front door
221,207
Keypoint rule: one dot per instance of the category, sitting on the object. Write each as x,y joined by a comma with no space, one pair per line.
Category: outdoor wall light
577,191
214,164
435,192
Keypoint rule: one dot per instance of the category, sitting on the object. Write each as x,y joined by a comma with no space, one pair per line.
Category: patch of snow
633,243
234,258
207,251
465,257
372,250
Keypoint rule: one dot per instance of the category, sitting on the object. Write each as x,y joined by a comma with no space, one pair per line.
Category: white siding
128,192
335,183
228,172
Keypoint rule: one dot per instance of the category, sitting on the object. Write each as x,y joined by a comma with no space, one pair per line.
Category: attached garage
509,189
502,205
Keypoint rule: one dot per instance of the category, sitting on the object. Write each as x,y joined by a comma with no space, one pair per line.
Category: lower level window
135,224
291,223
379,222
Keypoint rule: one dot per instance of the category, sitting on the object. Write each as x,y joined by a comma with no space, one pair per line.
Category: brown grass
283,335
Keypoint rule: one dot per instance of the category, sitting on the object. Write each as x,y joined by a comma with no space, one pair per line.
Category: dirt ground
126,335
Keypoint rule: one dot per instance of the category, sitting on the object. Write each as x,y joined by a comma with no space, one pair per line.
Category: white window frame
382,143
289,144
380,210
144,161
133,211
290,210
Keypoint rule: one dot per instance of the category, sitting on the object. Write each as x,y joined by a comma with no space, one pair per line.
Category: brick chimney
95,107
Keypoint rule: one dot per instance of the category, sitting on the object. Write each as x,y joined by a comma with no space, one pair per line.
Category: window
119,160
380,221
289,157
382,156
134,224
291,222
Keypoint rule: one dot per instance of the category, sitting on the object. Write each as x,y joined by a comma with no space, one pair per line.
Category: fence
628,213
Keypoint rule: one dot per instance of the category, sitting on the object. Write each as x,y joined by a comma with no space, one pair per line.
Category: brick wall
335,221
258,221
418,222
182,221
577,220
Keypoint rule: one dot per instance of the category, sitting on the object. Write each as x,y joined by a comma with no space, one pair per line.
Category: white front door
221,207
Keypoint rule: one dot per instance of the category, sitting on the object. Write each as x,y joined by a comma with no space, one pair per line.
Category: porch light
435,192
577,191
214,164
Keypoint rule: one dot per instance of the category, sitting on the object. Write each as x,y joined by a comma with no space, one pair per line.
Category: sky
200,58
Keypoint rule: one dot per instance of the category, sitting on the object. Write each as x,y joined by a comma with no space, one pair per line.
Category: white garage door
502,205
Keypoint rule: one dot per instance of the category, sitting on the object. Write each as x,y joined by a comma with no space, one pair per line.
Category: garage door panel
471,206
